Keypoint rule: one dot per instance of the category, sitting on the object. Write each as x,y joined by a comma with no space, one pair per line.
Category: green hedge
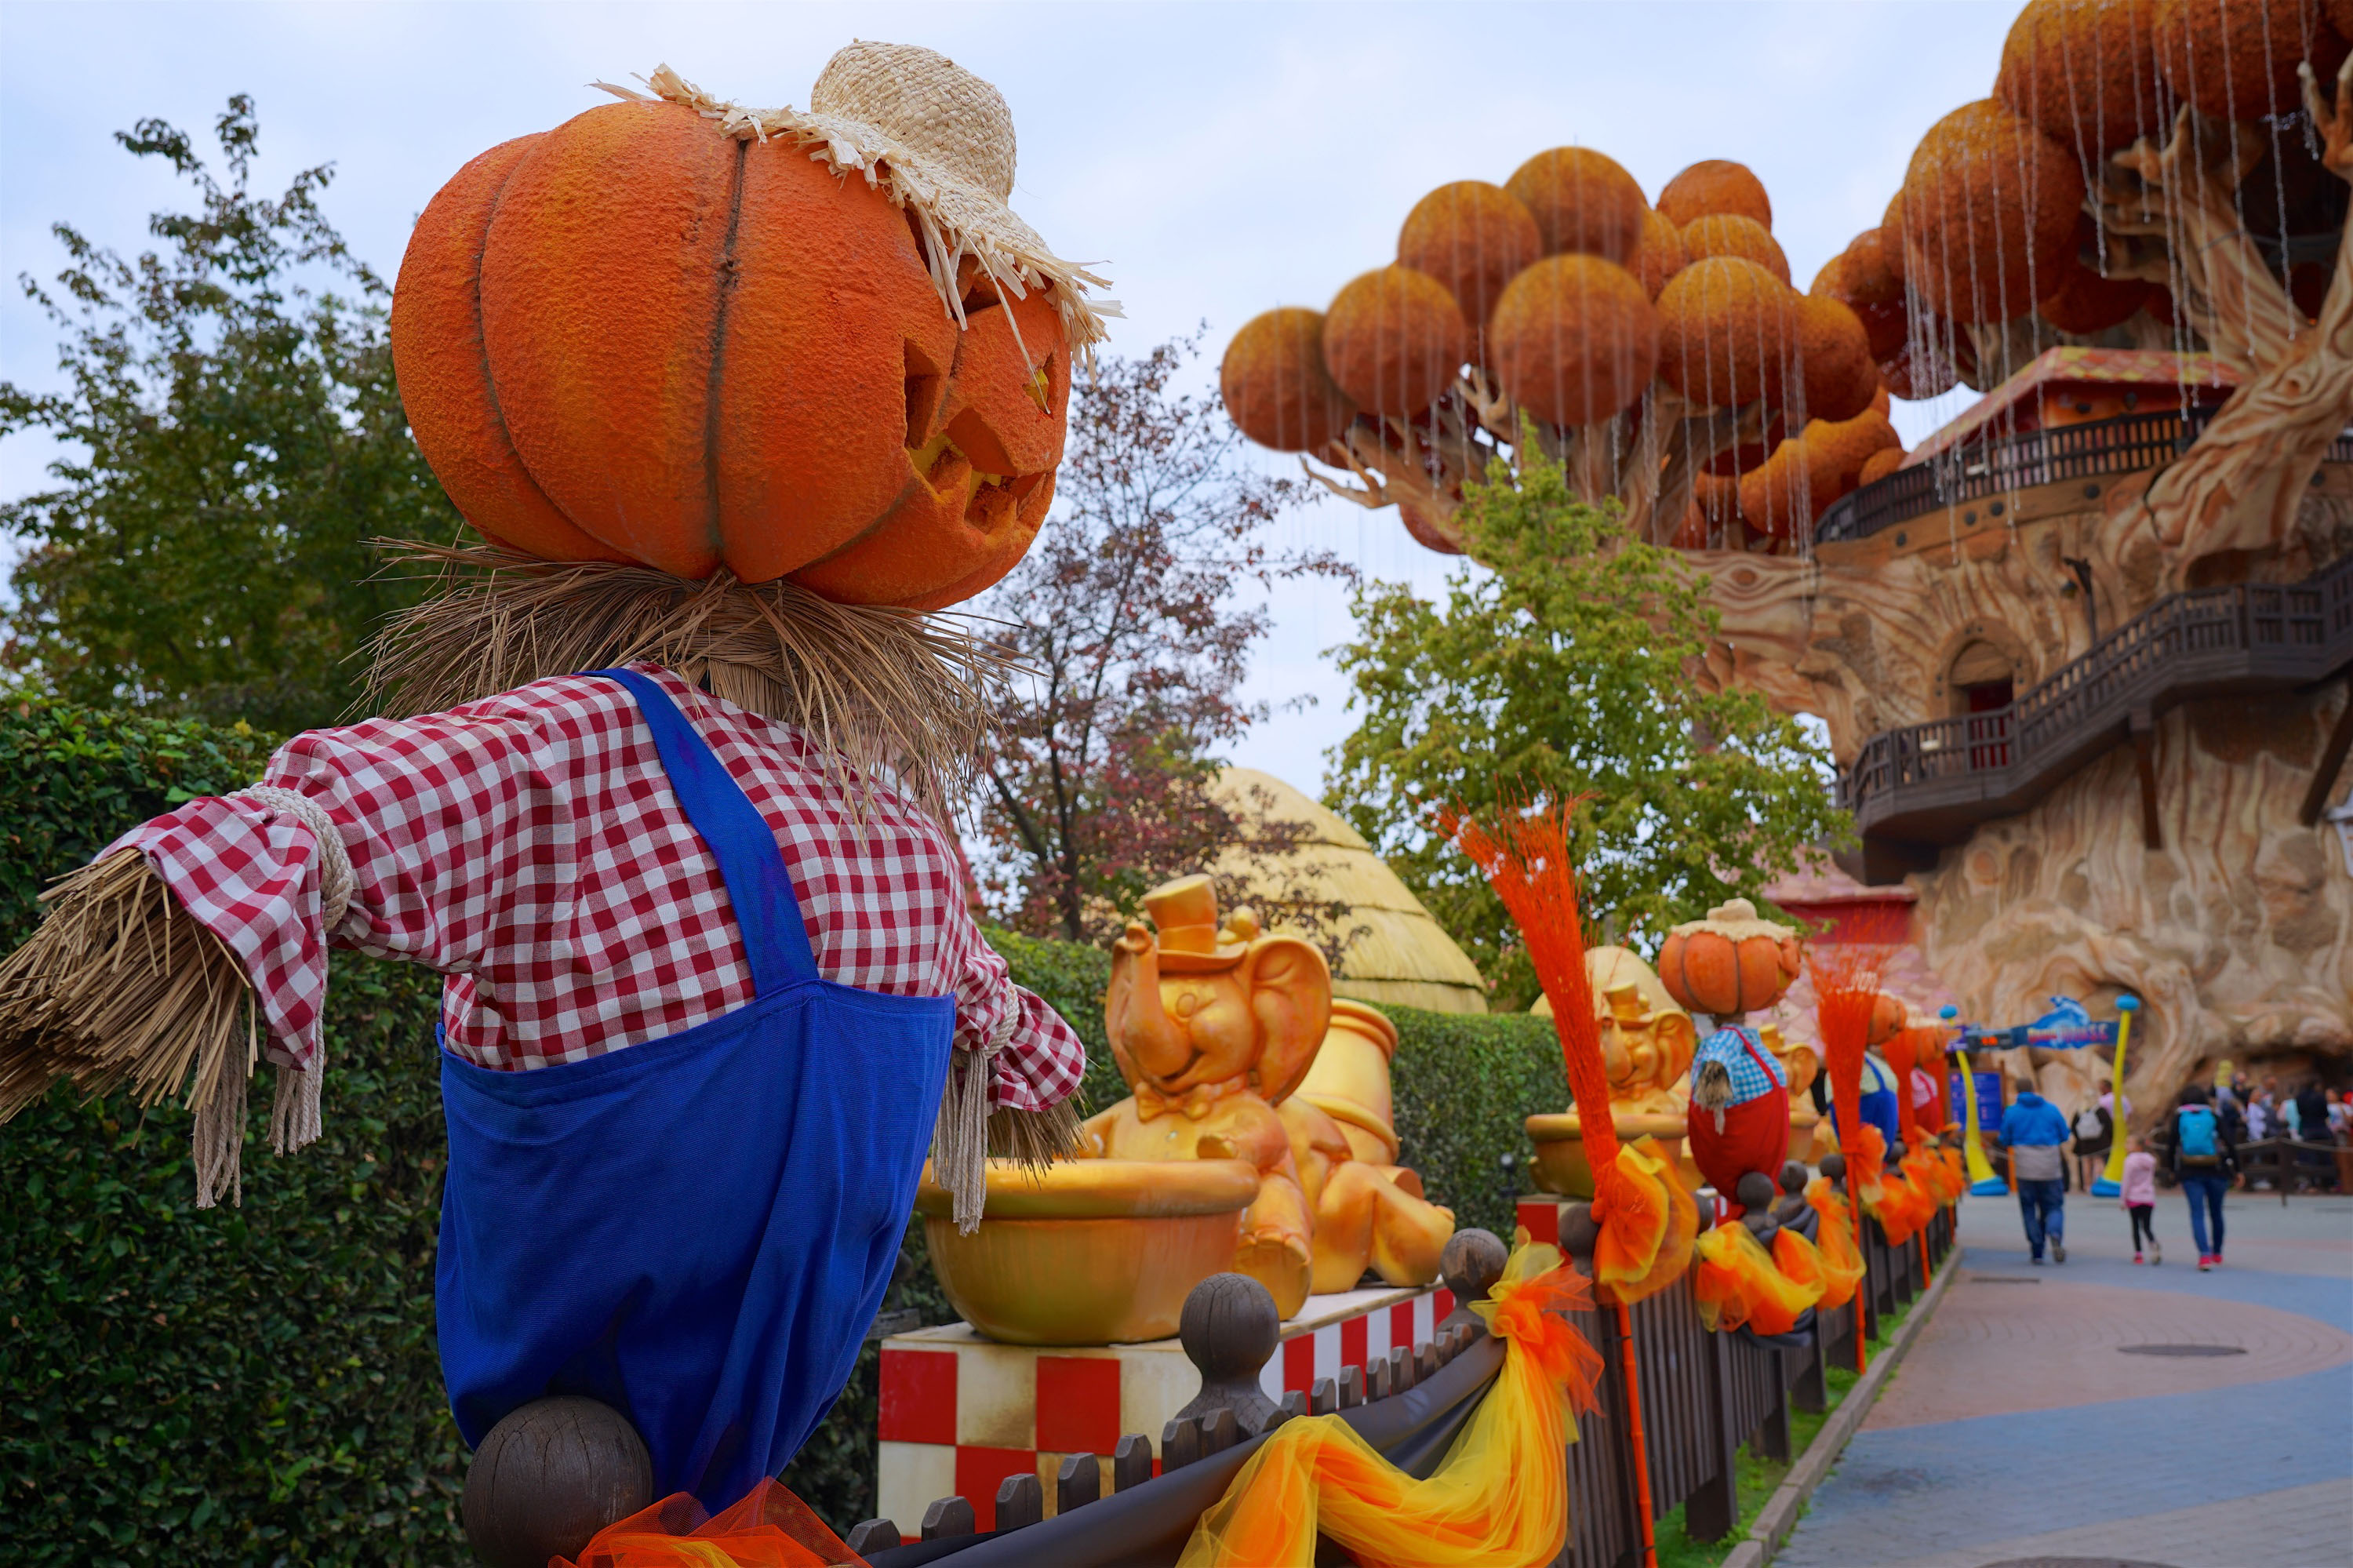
259,1385
243,1385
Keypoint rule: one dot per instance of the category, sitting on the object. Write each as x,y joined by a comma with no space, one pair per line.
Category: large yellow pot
1560,1163
1091,1252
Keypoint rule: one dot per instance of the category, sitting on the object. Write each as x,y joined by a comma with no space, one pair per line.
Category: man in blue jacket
2035,1134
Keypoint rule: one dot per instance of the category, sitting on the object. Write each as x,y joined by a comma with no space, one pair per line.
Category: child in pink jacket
2139,1197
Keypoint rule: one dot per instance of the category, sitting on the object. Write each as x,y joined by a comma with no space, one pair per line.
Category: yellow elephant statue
1214,1026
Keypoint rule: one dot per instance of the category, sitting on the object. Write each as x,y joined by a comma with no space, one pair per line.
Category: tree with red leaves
1125,614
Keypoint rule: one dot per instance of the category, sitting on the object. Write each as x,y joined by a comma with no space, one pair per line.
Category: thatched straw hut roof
1399,955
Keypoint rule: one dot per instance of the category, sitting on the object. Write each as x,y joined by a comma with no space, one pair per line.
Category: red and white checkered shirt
528,847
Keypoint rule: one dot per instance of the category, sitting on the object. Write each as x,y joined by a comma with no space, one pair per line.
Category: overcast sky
1218,159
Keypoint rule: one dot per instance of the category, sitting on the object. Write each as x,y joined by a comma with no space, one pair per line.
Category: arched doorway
1982,684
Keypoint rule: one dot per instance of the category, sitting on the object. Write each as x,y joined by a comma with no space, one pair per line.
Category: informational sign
1989,1097
2067,1027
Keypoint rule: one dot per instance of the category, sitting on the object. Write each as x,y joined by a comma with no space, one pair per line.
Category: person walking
2139,1199
2202,1155
2035,1135
2095,1131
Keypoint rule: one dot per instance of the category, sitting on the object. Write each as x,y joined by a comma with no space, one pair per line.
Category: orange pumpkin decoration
1574,339
1474,237
1395,339
1888,1016
1661,254
1725,329
1781,497
1990,208
1835,353
638,337
1859,278
2085,71
1731,962
1880,464
2236,59
1583,201
1716,185
1276,385
1728,234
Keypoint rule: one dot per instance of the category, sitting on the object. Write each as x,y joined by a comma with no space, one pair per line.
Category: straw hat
938,142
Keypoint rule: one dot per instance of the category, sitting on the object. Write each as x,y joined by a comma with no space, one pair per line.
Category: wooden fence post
1710,1513
1807,1390
1772,1440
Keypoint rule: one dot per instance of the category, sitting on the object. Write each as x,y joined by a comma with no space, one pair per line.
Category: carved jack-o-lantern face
636,338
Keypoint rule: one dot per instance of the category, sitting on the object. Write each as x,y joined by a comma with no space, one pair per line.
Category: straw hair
882,694
938,142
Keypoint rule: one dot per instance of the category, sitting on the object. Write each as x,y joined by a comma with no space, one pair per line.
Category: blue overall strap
767,913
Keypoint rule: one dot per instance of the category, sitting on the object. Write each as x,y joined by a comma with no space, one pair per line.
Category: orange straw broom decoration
1647,1220
1846,989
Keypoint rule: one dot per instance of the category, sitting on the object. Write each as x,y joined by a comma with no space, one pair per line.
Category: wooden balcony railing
2000,465
1930,783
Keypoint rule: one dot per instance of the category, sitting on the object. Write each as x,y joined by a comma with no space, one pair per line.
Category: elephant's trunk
1153,1041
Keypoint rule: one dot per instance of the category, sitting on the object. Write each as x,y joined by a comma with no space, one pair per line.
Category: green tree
234,441
1559,665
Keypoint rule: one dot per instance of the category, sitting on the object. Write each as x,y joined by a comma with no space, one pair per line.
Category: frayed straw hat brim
956,214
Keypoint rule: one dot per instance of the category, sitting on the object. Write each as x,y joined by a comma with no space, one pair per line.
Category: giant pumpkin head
694,338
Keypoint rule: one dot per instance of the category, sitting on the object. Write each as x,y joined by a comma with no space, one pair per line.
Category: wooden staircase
1916,789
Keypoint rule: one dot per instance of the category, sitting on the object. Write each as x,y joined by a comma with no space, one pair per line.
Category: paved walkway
2020,1430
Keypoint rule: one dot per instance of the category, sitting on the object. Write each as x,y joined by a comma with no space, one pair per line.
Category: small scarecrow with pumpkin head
733,397
1729,965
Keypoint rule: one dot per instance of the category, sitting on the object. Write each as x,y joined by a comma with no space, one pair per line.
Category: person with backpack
2035,1135
2095,1130
2203,1156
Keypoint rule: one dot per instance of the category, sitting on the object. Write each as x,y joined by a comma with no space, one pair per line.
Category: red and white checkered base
960,1412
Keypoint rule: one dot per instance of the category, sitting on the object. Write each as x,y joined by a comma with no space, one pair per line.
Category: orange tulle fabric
1957,1181
1497,1499
1931,1175
1866,1163
1841,1258
769,1529
1734,1281
1900,1207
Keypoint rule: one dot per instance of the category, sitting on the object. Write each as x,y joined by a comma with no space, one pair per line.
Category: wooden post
1021,1501
1078,1482
1131,1462
1772,1439
1807,1391
1710,1513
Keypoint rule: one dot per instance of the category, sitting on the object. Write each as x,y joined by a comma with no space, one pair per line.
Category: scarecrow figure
673,836
1732,964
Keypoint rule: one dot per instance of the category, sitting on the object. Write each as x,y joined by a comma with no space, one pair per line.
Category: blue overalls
697,1230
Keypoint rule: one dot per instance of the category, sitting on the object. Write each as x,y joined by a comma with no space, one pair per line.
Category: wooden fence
1703,1396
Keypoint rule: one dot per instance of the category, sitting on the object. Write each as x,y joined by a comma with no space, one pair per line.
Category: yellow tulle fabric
1496,1500
1834,1241
1648,1219
1734,1281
